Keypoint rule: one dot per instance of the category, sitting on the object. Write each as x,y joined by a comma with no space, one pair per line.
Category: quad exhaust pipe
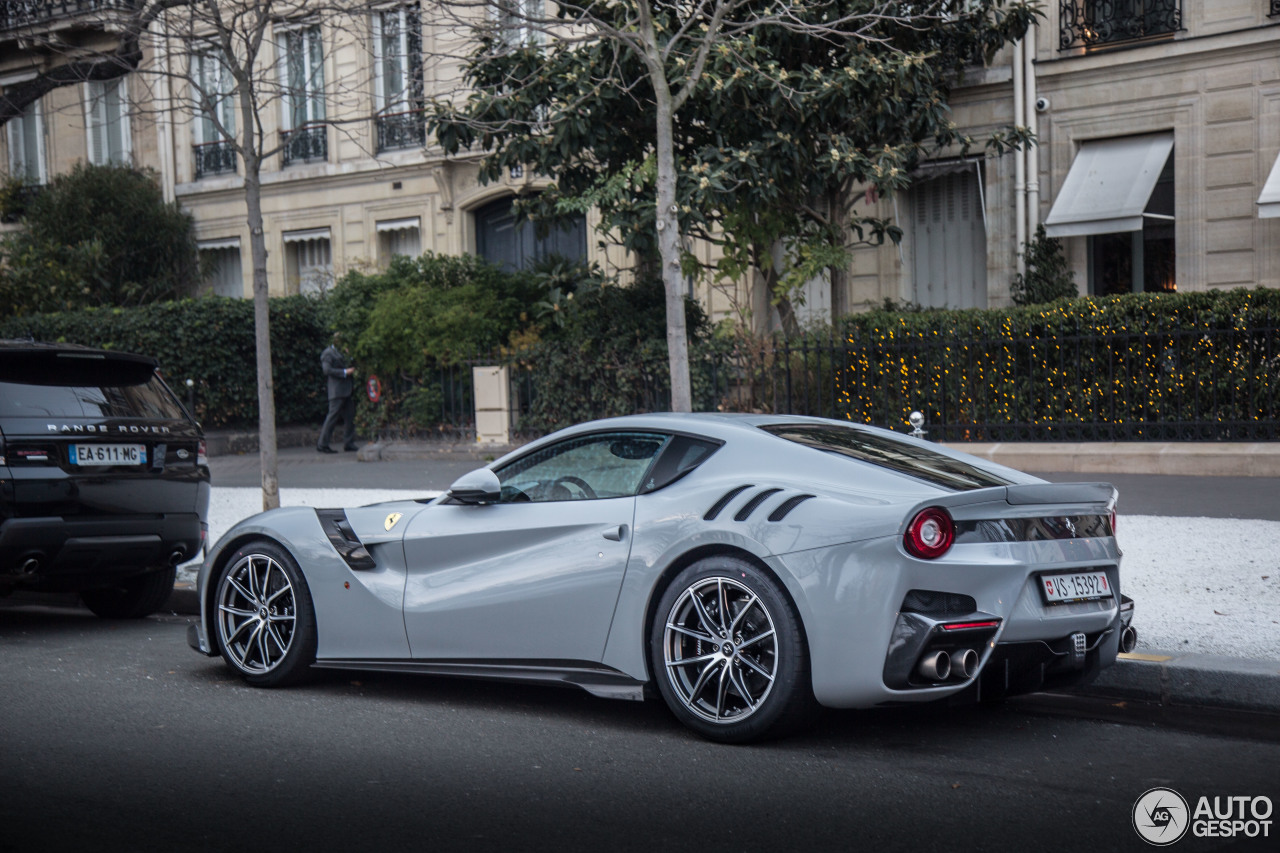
1128,639
30,565
176,555
940,666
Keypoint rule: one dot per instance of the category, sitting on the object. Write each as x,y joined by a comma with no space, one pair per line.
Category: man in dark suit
341,404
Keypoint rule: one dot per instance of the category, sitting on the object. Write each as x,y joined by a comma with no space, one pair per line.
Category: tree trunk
668,225
261,312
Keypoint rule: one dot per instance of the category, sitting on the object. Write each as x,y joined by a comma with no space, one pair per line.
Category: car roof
11,348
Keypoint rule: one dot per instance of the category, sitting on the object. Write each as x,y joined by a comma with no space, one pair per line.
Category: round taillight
930,533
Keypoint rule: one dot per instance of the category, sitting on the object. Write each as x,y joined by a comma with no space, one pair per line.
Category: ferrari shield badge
391,520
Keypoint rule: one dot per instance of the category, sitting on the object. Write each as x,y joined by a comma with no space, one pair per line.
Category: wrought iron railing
305,144
1097,23
23,14
401,130
1275,9
214,158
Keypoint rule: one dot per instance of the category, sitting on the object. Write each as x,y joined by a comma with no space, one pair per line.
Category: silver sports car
746,566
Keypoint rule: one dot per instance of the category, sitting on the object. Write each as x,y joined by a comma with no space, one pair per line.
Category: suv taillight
930,533
202,453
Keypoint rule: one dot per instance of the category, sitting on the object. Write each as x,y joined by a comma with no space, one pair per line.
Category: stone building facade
1158,124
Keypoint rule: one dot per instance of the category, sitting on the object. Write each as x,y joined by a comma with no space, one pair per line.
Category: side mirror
477,487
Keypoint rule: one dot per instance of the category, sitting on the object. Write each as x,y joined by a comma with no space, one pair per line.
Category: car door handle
615,534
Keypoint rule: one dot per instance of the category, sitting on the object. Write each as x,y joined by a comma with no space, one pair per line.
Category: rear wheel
727,652
264,623
131,598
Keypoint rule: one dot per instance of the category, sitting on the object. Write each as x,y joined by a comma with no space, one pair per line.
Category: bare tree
214,60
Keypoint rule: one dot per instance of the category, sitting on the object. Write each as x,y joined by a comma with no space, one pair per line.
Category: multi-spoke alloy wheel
720,650
265,624
727,651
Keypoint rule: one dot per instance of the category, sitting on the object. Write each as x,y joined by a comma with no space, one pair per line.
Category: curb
1202,681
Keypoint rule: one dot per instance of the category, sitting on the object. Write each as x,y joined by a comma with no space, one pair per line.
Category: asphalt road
116,736
1211,497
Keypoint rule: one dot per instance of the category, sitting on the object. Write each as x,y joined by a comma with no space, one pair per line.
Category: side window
588,467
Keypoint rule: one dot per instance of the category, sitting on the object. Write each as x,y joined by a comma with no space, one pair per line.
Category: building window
220,262
308,262
948,239
26,146
215,120
304,136
398,237
107,121
1140,261
398,89
1097,23
513,246
517,21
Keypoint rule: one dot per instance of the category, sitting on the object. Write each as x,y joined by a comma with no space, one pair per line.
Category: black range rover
104,483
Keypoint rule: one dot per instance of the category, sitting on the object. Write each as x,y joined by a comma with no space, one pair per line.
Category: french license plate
108,454
1081,586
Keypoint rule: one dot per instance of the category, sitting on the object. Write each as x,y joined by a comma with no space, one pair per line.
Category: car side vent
788,505
936,603
750,507
718,506
344,539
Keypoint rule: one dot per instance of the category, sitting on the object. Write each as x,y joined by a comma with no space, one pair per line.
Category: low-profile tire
728,654
263,621
133,597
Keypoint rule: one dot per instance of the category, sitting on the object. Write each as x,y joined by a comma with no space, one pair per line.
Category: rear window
76,388
887,452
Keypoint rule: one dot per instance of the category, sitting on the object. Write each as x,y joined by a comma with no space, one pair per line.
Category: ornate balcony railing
305,144
23,14
214,158
401,130
1097,23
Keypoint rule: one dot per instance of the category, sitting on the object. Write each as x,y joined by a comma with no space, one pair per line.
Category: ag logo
391,520
1161,817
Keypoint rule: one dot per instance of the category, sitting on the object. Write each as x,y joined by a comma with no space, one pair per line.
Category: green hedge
210,341
1128,367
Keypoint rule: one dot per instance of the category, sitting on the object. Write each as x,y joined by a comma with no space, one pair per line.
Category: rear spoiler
1059,493
1047,498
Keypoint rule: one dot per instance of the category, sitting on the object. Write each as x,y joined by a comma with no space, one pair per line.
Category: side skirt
596,679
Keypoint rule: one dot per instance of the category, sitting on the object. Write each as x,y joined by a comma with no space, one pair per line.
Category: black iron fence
21,14
1219,384
1095,23
214,158
304,144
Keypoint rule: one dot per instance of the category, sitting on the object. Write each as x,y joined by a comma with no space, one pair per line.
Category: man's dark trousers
341,403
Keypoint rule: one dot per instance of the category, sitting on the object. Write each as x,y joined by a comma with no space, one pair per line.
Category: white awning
304,236
222,243
1269,201
1109,185
410,224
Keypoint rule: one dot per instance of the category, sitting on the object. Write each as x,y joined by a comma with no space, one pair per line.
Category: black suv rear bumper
61,554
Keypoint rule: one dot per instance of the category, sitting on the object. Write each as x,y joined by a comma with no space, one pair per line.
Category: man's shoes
325,450
350,448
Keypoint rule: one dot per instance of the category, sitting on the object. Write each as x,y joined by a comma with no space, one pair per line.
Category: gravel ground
1200,585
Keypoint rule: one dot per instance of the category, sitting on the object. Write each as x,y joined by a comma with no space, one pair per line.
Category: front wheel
728,654
264,622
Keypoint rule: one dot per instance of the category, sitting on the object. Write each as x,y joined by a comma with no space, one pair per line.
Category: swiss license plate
108,454
1079,586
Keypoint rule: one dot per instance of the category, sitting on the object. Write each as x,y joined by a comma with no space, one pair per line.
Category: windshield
886,451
